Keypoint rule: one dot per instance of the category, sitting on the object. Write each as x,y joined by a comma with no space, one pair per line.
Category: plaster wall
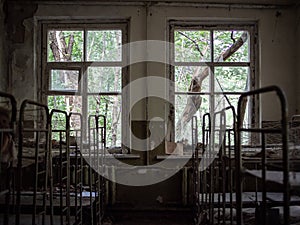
276,56
298,60
276,60
276,37
3,67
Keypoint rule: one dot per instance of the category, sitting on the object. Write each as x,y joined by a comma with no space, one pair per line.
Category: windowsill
162,157
123,156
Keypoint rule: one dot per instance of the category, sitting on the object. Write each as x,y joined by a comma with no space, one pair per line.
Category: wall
277,59
3,68
276,28
298,59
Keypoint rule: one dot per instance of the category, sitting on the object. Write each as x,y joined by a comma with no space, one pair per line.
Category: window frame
83,65
250,26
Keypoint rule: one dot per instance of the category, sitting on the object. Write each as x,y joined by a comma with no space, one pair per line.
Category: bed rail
283,132
34,121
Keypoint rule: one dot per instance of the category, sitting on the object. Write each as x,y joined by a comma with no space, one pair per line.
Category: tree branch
194,102
195,43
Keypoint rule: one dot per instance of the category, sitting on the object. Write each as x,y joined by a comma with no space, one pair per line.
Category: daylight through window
83,66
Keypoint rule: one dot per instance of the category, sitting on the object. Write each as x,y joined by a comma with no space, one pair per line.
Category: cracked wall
277,57
3,63
20,52
298,59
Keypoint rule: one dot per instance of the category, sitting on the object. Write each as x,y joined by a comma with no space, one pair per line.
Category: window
213,60
84,71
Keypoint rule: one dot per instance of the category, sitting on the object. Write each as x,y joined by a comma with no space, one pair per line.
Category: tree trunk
61,51
194,102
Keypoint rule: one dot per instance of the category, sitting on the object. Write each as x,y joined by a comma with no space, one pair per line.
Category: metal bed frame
214,188
97,152
195,165
265,172
54,192
60,127
6,170
77,166
39,130
218,183
202,192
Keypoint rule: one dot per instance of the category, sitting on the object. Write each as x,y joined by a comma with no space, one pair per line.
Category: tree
194,101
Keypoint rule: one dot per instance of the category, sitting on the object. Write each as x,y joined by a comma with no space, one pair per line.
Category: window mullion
84,44
211,74
84,109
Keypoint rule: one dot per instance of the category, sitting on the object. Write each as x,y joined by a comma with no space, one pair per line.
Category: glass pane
223,40
183,130
184,75
65,46
104,45
109,106
69,103
104,79
231,79
64,80
192,46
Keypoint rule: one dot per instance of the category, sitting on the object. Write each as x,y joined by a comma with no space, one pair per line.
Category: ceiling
227,2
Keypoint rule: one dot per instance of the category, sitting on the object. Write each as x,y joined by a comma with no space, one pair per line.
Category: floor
150,218
122,217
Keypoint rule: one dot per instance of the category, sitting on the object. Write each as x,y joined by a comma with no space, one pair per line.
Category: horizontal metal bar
212,64
41,172
34,130
4,192
207,93
262,130
105,93
77,65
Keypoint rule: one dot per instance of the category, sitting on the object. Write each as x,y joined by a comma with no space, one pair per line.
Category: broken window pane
104,79
192,45
64,80
224,39
65,46
104,45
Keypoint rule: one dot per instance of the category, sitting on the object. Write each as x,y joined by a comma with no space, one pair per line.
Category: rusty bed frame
58,191
219,193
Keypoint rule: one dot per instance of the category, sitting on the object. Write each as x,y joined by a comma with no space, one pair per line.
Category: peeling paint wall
298,60
277,58
20,55
277,55
3,67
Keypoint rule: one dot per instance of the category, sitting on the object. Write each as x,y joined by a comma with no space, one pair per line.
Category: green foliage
195,46
104,45
224,39
64,80
77,49
104,79
192,45
103,105
101,45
